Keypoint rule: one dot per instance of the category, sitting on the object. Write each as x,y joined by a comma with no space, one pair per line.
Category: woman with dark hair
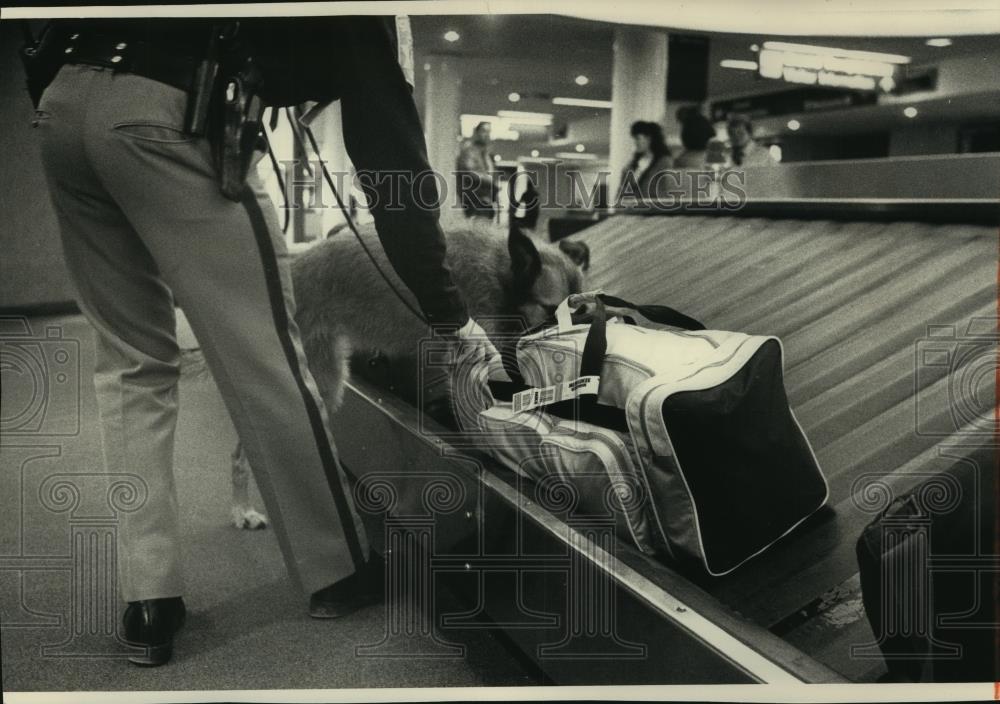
652,156
696,132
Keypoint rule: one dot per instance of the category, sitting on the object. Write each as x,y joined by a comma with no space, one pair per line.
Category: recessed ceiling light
910,111
497,158
513,97
534,152
427,67
939,42
580,148
739,63
451,36
755,47
581,80
886,83
794,125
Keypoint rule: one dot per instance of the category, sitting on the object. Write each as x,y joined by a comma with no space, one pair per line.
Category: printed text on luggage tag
533,398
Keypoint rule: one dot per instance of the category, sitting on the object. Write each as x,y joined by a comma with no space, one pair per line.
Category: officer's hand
475,343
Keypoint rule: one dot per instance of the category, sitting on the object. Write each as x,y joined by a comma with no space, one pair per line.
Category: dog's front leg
243,514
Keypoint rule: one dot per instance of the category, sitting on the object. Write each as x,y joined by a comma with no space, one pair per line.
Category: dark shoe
151,625
361,589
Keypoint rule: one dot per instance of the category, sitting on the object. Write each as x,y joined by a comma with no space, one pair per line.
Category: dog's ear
579,252
525,262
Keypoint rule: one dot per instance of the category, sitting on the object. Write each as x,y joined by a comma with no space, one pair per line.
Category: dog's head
543,275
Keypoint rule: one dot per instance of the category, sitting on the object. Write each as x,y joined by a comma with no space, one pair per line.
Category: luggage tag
547,395
568,390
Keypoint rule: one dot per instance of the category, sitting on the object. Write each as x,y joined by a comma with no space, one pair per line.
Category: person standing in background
474,172
696,131
652,157
744,151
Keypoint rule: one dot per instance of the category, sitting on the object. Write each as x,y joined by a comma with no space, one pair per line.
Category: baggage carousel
887,311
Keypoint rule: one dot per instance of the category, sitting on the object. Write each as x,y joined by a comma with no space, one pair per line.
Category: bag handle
596,344
661,315
584,388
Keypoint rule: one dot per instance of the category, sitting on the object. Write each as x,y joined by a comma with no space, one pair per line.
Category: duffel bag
587,470
728,467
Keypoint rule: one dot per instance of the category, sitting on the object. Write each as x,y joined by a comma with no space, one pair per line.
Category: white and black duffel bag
726,466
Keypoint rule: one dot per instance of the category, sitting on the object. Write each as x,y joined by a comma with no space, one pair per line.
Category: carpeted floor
247,627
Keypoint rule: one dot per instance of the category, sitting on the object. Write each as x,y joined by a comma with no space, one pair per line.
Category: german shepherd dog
348,315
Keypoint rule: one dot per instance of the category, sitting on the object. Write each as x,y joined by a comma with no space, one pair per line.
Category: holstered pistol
237,126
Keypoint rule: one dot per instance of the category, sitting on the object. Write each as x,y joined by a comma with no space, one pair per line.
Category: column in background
638,90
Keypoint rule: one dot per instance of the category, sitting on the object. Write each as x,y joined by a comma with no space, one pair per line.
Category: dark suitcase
929,577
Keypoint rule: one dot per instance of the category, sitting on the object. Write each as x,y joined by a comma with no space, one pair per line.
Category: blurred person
744,150
651,157
474,173
696,132
527,203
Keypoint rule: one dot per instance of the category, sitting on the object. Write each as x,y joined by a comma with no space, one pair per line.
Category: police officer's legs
122,295
225,263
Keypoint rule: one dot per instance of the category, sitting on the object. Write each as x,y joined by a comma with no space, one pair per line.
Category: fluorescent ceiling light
526,118
573,156
737,63
939,42
582,103
841,53
811,18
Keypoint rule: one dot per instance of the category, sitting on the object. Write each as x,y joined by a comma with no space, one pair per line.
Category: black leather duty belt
157,62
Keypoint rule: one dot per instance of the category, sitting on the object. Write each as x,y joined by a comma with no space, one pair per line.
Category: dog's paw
248,519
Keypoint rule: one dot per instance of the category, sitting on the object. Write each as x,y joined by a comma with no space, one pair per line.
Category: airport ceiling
539,57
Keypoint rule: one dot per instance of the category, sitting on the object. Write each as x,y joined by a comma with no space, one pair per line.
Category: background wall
32,272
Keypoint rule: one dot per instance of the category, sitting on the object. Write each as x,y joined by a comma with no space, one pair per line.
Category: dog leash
296,125
277,169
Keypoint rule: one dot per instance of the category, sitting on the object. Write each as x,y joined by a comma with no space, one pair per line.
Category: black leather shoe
151,625
361,589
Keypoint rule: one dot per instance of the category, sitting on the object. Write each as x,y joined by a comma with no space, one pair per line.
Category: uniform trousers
144,226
